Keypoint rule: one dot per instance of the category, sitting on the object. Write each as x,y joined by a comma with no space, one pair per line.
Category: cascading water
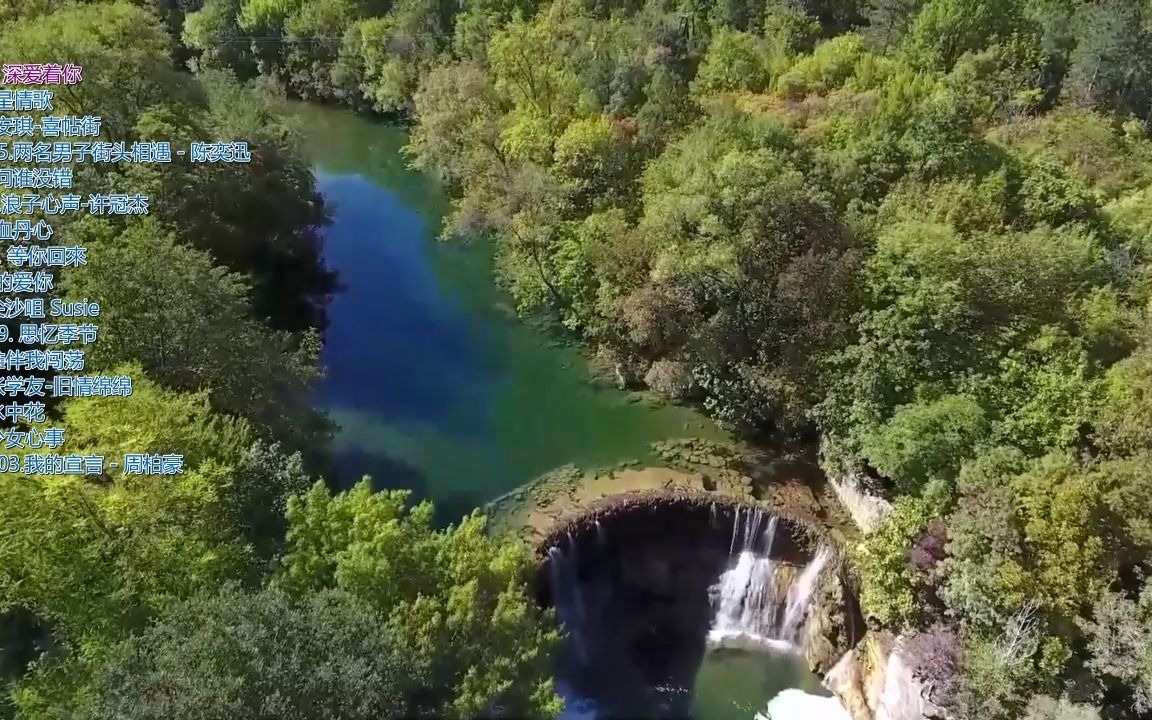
747,597
567,594
750,612
746,593
800,595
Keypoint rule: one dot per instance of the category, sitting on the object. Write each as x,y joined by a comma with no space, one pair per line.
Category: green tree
1121,422
730,220
453,600
262,218
1008,79
189,324
1110,66
385,58
830,66
94,557
596,160
668,107
946,29
214,31
259,654
459,116
1027,531
893,590
1046,708
735,61
927,441
888,21
999,671
1117,633
480,20
950,309
527,71
11,10
124,50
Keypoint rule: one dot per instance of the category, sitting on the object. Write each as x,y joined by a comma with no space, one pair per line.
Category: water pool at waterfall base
743,678
769,684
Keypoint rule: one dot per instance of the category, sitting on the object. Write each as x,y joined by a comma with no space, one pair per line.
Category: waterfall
735,532
747,600
800,595
746,593
567,596
748,606
561,589
746,530
752,613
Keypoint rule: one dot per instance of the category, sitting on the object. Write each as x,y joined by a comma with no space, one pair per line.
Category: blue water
400,344
435,384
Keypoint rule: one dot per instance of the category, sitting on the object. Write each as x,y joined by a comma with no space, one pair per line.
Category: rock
846,682
873,683
672,379
867,509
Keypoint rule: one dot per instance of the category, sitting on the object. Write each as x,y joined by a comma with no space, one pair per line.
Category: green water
738,685
434,383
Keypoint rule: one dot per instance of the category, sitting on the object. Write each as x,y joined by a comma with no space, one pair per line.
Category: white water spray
746,592
750,612
795,704
746,596
800,595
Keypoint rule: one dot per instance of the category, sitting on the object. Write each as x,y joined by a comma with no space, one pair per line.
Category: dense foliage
241,588
920,227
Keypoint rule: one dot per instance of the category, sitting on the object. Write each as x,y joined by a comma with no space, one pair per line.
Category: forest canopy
244,587
917,228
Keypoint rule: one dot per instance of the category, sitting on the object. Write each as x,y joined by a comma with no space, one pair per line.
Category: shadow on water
352,465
